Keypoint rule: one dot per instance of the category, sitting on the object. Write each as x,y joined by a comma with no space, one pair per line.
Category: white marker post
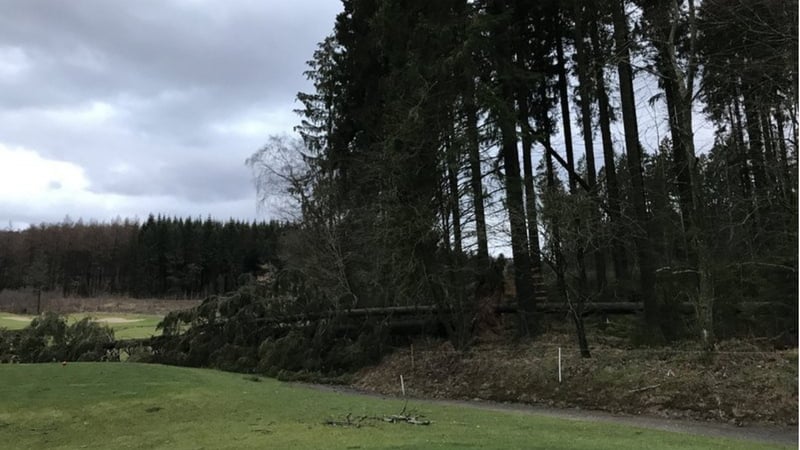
402,386
559,365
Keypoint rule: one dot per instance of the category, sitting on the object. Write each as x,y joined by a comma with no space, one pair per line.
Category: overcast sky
126,108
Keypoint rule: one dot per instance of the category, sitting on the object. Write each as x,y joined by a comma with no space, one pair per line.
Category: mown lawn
126,405
136,325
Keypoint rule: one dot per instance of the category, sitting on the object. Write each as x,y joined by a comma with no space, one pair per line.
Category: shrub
49,338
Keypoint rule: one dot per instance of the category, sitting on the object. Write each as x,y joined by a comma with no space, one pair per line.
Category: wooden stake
559,365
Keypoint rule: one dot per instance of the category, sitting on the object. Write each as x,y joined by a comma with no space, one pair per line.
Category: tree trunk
682,159
575,307
586,121
560,266
784,154
583,343
444,215
558,255
584,90
523,280
756,146
565,115
770,150
516,215
604,113
678,90
530,194
476,175
741,154
454,199
644,251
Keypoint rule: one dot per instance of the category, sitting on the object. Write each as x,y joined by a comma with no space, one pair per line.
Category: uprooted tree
408,163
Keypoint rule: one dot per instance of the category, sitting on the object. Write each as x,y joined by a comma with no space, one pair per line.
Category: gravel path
763,434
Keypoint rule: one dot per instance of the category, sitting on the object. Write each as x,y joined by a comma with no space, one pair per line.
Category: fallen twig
394,418
642,389
413,420
348,422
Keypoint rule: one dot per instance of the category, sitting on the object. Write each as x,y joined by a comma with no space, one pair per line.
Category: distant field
125,405
24,301
125,326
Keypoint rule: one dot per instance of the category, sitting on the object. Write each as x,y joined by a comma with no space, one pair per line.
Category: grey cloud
103,47
195,181
180,65
171,72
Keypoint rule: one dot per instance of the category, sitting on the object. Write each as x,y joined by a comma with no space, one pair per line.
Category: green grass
144,325
8,321
125,405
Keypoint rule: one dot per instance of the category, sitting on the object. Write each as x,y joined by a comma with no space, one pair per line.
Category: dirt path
763,434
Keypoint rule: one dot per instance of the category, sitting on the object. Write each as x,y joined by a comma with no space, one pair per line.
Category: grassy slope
119,405
736,383
143,328
11,324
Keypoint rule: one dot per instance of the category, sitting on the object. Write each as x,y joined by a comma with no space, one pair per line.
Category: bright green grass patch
125,405
136,325
14,321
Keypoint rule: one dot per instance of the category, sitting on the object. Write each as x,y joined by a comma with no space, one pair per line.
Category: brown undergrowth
24,301
738,383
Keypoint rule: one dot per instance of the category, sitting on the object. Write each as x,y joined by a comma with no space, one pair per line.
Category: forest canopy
431,131
161,257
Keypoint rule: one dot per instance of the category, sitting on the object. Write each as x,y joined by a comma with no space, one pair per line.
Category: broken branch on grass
413,420
642,389
394,418
348,422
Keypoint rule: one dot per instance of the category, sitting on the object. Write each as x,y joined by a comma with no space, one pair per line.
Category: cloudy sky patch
123,109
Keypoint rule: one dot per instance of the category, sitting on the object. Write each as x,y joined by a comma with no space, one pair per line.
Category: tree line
161,257
419,148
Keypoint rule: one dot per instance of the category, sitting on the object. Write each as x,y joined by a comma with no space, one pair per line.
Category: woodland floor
739,384
25,302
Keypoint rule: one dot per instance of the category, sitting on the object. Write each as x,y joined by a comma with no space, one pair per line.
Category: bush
49,338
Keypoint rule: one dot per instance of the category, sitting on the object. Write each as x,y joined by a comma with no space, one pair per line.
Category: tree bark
523,280
756,145
530,194
784,154
444,215
565,115
682,158
679,92
770,151
476,175
604,114
744,171
454,199
644,251
586,121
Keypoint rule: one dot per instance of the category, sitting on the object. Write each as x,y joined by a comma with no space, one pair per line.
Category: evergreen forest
623,152
159,258
439,132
